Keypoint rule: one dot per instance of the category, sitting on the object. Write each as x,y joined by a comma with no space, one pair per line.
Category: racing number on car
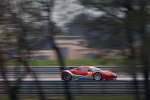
89,75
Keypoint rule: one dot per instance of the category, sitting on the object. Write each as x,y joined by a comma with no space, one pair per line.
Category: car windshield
95,69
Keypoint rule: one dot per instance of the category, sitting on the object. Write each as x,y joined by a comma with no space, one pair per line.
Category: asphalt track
57,87
57,78
124,85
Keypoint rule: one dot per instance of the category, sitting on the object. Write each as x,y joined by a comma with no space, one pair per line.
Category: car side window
84,69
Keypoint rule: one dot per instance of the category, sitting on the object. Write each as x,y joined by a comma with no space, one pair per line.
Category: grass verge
80,62
107,97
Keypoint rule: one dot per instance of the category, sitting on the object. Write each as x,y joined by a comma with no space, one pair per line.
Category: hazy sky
66,10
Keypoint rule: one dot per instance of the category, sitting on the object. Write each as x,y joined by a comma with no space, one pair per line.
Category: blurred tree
12,32
144,22
7,43
108,28
36,17
101,32
133,17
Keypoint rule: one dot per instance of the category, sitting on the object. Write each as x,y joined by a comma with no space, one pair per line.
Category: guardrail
79,87
56,69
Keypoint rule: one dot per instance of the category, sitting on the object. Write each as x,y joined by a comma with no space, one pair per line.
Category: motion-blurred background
39,38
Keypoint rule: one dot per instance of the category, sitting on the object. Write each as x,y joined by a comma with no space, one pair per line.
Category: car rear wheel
97,76
66,76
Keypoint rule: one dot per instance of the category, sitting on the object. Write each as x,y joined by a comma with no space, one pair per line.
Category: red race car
87,72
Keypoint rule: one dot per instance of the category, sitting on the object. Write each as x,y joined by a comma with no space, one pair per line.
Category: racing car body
88,72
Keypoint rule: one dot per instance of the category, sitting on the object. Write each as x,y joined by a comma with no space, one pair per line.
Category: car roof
87,66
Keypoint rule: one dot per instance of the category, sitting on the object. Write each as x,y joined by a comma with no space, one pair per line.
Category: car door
76,71
84,71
